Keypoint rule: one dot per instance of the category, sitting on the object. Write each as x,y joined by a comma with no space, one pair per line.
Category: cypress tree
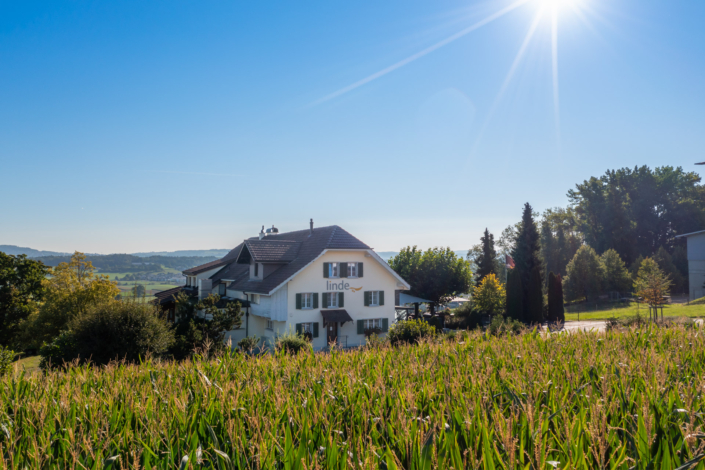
535,297
560,309
551,316
486,263
515,307
526,256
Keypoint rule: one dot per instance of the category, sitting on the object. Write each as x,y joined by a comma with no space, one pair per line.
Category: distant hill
215,252
123,263
387,255
19,250
32,253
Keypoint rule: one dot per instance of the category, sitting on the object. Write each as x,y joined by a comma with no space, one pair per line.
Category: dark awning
333,316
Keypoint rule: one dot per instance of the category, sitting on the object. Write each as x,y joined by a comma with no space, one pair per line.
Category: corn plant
624,399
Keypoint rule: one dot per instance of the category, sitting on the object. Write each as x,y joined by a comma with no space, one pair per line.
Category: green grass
619,400
30,364
673,310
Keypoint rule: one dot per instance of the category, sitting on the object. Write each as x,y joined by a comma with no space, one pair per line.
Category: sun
556,5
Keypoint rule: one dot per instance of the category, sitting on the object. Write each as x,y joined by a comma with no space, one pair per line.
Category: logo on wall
342,285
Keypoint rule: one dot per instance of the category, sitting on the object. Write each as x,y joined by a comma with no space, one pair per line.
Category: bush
292,343
248,343
500,326
374,341
111,331
466,318
6,358
59,352
410,331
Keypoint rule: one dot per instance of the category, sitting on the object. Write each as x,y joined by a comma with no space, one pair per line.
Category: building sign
342,285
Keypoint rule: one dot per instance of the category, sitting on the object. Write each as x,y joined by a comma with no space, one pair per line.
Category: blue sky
139,126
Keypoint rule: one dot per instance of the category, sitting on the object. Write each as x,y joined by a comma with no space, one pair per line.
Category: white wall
375,277
696,265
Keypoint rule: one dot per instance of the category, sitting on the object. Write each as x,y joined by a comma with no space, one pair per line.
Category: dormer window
256,269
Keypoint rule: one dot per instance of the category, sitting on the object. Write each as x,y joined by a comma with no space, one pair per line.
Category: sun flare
556,5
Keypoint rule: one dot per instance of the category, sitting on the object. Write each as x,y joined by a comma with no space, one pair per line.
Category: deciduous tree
20,291
585,275
71,291
490,296
436,274
616,274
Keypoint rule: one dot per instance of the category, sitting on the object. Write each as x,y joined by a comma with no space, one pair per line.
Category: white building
321,281
696,263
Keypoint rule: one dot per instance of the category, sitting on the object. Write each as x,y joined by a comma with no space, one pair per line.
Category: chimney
311,228
261,234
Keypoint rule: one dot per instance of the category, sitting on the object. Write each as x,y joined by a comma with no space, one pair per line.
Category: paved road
596,325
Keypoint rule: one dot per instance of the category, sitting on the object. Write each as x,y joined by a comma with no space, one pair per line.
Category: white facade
696,264
277,312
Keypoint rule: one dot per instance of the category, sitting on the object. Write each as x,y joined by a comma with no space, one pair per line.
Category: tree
436,274
556,310
559,239
111,331
616,274
635,211
585,274
20,291
70,292
486,263
665,262
526,256
535,297
652,284
138,291
490,296
515,296
195,332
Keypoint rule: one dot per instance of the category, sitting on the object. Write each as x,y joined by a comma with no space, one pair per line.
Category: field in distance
672,310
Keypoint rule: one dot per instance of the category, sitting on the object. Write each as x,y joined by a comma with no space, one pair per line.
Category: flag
510,262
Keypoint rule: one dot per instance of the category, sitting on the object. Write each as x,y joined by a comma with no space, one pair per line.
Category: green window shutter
341,299
315,300
359,269
360,327
343,269
385,325
324,298
315,330
298,301
381,297
325,270
298,329
367,298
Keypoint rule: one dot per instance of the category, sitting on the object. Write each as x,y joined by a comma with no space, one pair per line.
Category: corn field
618,400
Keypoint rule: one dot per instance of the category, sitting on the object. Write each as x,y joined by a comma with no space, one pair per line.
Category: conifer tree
535,297
556,312
560,308
486,262
526,256
515,294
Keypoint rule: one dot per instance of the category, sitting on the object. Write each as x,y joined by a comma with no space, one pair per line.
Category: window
254,298
256,269
306,300
374,298
331,299
352,269
270,325
333,270
373,323
307,328
221,289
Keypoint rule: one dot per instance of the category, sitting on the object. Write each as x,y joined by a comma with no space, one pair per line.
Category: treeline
631,213
120,263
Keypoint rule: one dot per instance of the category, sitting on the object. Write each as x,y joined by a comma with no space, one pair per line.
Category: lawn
30,364
673,310
619,400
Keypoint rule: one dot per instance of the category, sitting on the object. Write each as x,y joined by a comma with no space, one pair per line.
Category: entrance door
332,332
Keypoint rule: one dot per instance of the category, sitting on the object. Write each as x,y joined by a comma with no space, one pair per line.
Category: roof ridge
332,233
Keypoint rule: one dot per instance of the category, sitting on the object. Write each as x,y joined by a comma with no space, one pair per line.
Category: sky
167,125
